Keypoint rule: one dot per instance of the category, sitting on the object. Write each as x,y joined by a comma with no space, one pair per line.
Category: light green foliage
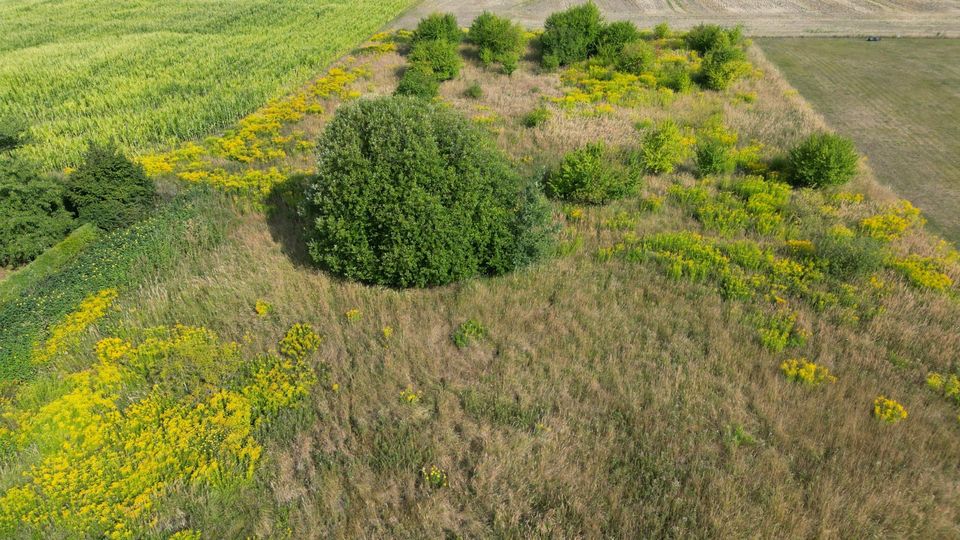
438,26
469,332
149,72
661,31
823,159
636,57
662,148
590,175
613,38
498,40
537,117
48,263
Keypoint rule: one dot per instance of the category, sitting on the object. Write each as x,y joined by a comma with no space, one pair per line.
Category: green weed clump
498,40
636,57
662,148
537,117
109,190
438,27
823,159
409,193
468,333
590,175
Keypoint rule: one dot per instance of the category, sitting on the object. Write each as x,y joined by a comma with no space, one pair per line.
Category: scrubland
688,361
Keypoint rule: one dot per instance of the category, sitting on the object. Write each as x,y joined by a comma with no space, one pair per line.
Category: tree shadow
287,227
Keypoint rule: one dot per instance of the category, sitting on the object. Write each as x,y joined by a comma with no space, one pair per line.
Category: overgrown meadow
706,349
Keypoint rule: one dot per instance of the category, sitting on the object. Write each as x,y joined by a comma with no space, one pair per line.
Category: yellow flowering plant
800,370
888,411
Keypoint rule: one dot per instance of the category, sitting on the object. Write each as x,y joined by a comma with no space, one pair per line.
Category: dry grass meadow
900,101
760,18
607,399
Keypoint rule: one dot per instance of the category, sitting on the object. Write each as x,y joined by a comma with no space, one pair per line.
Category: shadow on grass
287,227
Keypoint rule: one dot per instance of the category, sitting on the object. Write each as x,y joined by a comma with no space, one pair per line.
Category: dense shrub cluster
571,35
409,193
442,57
590,175
635,57
438,26
613,38
32,214
823,159
109,190
498,40
722,52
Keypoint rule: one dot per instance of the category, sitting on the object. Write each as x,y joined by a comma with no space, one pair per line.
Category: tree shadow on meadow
287,227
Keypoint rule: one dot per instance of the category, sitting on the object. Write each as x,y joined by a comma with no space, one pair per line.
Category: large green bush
32,214
109,190
410,193
438,26
498,40
662,149
590,175
612,39
713,156
675,76
418,81
571,35
441,56
823,159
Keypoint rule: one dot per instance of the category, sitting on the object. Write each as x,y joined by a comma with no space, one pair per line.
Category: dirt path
759,17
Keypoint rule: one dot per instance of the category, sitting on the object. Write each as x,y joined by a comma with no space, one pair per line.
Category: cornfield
149,73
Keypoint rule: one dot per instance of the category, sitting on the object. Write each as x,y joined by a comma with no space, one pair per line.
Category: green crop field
900,101
147,73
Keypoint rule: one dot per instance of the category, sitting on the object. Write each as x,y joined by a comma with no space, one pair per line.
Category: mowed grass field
148,73
899,99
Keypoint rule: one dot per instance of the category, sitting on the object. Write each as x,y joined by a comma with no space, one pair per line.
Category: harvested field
899,100
759,17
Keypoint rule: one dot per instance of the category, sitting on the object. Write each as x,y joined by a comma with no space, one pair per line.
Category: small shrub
418,81
661,31
570,36
434,477
612,39
849,256
441,56
438,26
823,159
675,76
713,156
32,214
13,133
923,272
498,40
779,331
537,117
704,38
636,57
588,175
662,149
411,193
474,91
892,223
109,190
722,66
468,332
888,411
